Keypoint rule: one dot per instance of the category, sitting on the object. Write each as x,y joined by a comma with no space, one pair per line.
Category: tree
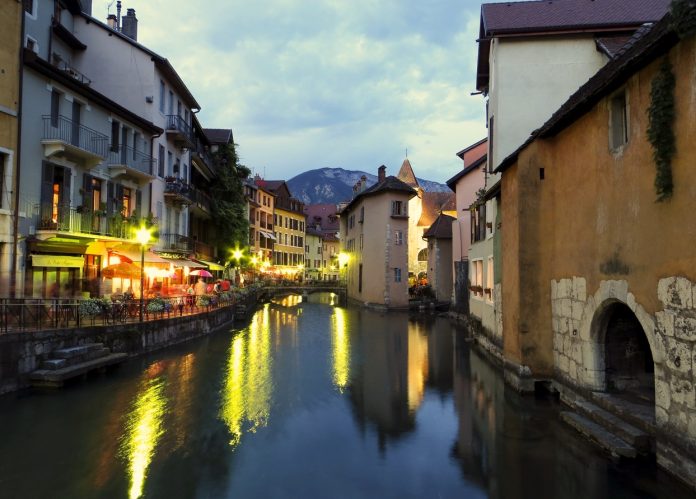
228,203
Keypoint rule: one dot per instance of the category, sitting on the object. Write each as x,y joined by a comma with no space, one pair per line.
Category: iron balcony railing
176,242
201,199
200,151
71,132
64,218
177,123
178,189
73,73
132,158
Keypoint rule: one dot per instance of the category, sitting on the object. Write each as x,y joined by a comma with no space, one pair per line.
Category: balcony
202,159
201,202
127,162
66,138
73,73
76,220
176,243
179,131
177,191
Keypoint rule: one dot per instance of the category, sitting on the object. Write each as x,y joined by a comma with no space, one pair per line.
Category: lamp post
143,237
237,255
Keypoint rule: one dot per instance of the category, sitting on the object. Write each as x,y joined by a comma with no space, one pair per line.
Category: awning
182,262
57,261
212,265
268,235
134,256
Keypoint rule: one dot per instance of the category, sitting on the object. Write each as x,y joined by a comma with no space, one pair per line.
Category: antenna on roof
108,7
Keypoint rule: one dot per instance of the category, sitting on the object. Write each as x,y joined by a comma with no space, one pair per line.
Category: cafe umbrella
201,273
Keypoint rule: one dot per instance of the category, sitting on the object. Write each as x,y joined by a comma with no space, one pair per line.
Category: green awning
57,261
211,265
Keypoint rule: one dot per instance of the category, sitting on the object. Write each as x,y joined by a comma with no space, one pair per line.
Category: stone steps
67,363
630,434
600,435
640,415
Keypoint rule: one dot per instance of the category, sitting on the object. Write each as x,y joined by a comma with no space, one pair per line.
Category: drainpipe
17,170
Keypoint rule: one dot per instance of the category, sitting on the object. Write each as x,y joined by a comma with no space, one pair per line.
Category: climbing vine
660,128
683,17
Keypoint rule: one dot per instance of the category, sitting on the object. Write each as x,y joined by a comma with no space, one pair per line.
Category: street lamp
143,237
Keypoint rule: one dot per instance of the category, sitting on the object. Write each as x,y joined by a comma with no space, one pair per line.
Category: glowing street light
143,237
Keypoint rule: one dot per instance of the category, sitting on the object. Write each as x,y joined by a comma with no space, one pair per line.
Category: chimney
363,183
130,25
381,173
111,21
87,7
118,14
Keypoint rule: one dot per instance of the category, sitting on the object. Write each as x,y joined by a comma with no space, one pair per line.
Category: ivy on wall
660,128
683,17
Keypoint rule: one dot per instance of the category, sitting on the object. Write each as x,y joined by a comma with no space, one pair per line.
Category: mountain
333,185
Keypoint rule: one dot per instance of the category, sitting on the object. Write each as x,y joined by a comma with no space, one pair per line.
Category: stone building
598,287
374,236
439,238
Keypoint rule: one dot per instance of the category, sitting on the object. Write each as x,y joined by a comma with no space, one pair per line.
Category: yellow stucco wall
594,215
10,41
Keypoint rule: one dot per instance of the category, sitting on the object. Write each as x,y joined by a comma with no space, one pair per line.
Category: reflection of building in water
340,342
246,396
388,385
144,428
440,359
509,445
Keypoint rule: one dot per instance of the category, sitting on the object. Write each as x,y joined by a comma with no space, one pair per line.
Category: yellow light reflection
246,399
341,350
417,365
143,431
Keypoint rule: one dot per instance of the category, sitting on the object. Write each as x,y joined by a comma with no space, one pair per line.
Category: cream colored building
288,229
374,236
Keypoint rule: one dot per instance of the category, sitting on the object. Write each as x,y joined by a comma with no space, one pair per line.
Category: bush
91,306
155,305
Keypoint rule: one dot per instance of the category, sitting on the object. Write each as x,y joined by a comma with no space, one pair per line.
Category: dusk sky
327,83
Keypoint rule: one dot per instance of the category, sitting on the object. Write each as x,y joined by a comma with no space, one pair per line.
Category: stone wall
579,327
22,352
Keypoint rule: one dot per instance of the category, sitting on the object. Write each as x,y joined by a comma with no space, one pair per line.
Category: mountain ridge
334,185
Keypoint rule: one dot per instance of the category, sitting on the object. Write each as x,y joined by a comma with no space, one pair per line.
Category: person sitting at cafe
199,289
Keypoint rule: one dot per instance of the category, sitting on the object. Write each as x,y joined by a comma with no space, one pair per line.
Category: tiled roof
554,15
389,184
610,45
648,44
441,228
433,204
406,174
218,135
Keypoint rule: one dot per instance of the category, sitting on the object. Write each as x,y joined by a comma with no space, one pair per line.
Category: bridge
306,289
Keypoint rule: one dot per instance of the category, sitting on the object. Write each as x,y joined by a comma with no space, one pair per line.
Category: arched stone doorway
628,361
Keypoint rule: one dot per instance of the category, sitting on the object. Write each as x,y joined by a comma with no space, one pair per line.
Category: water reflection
341,349
144,429
248,387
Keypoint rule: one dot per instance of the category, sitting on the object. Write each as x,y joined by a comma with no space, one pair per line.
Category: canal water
309,400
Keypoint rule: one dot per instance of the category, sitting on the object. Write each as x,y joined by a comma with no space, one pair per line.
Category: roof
161,63
479,163
324,214
389,184
610,45
554,17
441,228
433,204
406,174
44,67
648,45
219,135
463,153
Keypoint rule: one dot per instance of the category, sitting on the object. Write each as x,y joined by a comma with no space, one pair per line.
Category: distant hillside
333,185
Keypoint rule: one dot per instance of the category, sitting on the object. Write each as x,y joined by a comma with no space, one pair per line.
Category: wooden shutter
110,199
138,203
87,191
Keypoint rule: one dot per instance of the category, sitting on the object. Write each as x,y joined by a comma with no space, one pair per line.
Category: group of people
202,288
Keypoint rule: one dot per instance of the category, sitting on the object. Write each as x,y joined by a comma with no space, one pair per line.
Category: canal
308,400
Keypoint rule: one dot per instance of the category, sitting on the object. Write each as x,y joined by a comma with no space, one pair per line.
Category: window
618,116
30,7
55,107
398,209
160,161
397,275
398,237
476,278
171,102
114,135
31,44
170,162
362,214
161,97
127,202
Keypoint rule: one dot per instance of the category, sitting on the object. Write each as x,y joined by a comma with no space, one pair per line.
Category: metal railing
36,314
176,242
176,122
73,73
71,132
200,198
66,218
132,158
177,187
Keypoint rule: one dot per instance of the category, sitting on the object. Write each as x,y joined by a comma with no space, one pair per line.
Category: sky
308,84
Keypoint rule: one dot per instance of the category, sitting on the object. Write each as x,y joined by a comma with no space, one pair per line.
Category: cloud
328,83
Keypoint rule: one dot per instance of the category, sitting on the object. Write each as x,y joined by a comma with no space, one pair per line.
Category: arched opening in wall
629,367
423,255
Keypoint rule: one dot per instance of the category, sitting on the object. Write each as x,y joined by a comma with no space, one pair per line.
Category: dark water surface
309,400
